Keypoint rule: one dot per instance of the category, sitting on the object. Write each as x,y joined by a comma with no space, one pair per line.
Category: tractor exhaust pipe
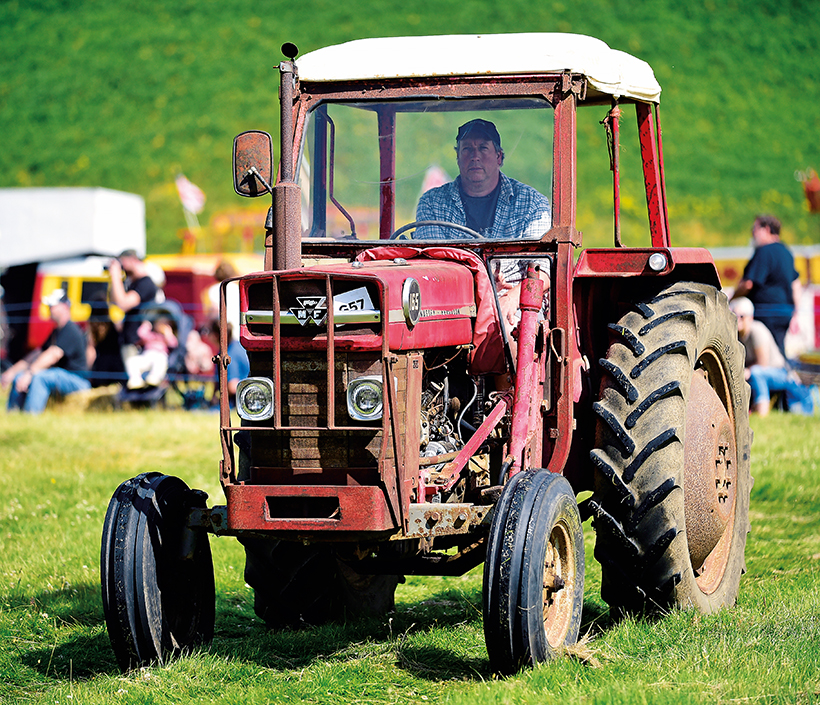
287,195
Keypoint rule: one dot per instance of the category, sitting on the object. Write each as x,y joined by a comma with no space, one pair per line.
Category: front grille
305,395
312,438
301,320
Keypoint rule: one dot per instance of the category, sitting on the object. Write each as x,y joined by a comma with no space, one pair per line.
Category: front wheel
157,572
534,572
672,456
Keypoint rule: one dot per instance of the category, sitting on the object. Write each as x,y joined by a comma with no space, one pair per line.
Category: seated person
103,352
239,367
488,201
150,365
766,368
59,366
199,353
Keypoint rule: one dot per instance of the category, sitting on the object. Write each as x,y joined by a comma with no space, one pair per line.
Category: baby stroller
182,325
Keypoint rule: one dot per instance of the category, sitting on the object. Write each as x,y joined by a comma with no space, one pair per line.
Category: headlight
365,398
254,398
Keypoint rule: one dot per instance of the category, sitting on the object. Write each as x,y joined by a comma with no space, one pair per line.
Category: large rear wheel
672,456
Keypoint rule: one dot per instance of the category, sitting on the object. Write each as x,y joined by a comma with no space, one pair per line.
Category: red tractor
442,377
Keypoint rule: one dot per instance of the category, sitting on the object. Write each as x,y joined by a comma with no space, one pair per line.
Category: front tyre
156,571
534,572
672,455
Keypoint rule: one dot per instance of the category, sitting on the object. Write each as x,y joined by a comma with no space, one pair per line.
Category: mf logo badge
312,310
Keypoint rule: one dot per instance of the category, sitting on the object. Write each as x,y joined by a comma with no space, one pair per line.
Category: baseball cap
58,296
479,128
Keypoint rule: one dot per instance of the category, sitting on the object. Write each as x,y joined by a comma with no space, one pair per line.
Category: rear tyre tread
676,348
658,395
604,466
627,389
660,320
628,445
628,338
661,440
653,499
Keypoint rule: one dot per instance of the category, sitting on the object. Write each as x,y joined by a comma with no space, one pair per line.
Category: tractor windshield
368,170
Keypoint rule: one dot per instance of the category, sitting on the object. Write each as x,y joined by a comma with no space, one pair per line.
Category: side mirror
252,163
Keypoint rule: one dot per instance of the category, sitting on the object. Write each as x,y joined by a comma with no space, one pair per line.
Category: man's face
744,323
60,313
128,264
479,164
759,233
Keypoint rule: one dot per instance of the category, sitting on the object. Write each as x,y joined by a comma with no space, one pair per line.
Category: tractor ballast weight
426,398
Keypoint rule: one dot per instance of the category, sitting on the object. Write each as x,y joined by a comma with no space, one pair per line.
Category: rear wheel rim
716,461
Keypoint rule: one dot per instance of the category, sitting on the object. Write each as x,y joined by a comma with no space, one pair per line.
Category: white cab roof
609,71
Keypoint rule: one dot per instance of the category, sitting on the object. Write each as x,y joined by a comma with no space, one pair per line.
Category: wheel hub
557,571
710,471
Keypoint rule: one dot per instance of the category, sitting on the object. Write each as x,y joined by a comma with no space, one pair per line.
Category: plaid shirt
521,212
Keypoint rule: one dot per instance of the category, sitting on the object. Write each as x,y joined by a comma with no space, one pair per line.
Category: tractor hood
414,304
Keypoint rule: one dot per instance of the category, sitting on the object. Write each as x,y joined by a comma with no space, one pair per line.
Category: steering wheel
400,233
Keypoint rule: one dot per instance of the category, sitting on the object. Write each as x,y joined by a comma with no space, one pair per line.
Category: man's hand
743,288
23,381
509,296
18,368
115,269
126,300
6,378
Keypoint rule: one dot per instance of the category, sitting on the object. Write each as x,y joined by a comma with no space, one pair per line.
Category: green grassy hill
127,95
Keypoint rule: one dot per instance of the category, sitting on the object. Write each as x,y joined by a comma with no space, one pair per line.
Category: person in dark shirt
482,197
770,280
140,289
103,352
59,366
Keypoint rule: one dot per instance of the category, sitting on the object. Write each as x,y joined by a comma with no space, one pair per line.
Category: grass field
58,471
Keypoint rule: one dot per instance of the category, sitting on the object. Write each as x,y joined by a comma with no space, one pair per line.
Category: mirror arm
253,171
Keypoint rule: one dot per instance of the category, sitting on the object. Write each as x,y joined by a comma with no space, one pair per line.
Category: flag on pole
193,200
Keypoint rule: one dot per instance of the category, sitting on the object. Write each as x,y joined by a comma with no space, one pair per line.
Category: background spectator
766,367
225,270
4,335
199,353
59,366
238,369
129,296
149,367
770,280
103,351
